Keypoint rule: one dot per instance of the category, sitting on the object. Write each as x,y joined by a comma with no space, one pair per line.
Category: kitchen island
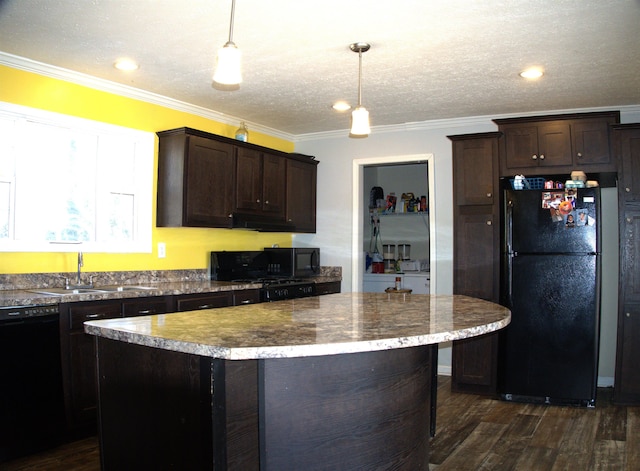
341,381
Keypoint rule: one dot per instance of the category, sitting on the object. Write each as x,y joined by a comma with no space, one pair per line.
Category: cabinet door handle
579,155
629,220
534,157
146,311
206,306
245,301
266,202
93,316
627,189
258,200
541,156
489,195
489,223
628,314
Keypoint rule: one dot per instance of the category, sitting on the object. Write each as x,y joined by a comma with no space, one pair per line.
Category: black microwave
293,262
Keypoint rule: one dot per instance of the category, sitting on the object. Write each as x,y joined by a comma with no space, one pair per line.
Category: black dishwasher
32,416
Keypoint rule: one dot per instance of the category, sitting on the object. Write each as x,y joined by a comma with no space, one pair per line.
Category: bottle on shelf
242,133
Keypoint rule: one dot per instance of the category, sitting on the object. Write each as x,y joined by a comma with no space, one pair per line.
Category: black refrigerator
550,279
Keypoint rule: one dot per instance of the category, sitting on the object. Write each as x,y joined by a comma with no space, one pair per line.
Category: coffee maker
404,252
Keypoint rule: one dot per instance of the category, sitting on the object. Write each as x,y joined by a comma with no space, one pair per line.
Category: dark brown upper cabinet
205,180
556,144
301,194
260,187
627,148
196,181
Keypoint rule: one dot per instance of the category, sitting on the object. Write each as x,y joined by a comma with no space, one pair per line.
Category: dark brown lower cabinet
330,287
78,352
78,360
627,383
474,365
475,361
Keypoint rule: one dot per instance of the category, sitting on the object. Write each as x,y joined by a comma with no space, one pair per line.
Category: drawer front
92,311
193,302
247,296
147,306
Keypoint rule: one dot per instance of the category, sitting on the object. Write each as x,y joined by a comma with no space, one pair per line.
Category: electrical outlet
162,250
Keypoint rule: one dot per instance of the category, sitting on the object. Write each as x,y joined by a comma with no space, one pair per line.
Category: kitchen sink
124,288
97,289
63,291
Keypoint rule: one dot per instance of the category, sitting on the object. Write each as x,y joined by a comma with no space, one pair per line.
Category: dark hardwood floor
474,433
81,455
477,433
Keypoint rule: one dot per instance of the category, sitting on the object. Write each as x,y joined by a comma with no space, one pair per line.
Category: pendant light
360,116
228,73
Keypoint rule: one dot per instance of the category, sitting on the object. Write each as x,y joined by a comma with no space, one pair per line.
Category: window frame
144,151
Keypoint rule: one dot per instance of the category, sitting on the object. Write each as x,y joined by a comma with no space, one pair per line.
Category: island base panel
154,408
353,411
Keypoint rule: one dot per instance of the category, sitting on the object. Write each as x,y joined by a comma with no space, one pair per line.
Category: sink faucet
80,265
78,283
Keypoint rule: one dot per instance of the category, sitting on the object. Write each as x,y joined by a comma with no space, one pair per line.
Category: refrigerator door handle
509,283
509,226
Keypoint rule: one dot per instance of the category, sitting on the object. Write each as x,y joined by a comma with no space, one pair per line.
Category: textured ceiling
430,59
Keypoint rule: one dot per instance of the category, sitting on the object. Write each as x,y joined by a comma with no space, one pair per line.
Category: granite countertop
156,283
22,297
323,325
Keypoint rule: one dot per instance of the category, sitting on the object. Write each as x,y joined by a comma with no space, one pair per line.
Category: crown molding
78,78
85,80
461,122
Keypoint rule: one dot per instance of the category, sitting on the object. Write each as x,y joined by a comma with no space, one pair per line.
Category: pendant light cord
233,10
359,77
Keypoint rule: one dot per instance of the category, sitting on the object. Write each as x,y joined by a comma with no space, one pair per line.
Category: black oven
263,269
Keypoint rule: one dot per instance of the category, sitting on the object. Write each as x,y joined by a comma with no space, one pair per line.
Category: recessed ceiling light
126,64
532,73
341,106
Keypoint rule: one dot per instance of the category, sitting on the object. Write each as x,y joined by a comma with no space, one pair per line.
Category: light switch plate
162,250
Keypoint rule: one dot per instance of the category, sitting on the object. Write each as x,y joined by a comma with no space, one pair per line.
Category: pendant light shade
228,73
228,65
360,116
360,122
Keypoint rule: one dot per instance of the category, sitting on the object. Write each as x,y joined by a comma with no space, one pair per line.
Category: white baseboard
603,381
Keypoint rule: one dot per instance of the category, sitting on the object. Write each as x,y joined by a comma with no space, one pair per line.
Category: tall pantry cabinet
476,270
626,146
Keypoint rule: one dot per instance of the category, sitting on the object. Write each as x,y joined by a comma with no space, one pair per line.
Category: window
70,184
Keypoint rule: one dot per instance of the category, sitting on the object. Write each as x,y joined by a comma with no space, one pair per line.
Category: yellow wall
186,247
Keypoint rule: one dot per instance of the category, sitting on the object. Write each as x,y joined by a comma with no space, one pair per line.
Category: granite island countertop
323,325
